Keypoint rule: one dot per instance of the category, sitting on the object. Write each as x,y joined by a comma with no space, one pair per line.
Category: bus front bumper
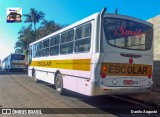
104,90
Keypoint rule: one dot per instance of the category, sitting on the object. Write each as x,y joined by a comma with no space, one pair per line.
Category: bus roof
89,18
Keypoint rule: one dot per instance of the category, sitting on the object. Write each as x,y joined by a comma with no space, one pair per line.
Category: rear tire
59,84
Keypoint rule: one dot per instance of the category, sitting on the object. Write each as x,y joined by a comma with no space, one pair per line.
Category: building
156,57
156,24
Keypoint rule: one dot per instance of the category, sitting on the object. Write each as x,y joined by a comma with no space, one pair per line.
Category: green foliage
27,35
34,17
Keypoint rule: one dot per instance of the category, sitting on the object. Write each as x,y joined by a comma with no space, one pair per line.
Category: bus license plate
128,82
133,82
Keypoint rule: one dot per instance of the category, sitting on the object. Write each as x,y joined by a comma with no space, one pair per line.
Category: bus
14,62
102,54
0,65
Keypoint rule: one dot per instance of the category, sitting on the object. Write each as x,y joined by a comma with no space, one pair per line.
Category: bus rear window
128,34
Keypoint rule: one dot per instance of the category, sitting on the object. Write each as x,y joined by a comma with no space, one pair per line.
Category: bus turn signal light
149,70
103,75
104,68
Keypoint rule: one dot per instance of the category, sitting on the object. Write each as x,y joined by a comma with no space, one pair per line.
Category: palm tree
40,32
26,36
34,17
19,46
50,26
19,51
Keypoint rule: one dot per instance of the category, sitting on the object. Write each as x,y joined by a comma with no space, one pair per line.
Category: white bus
0,64
14,62
101,54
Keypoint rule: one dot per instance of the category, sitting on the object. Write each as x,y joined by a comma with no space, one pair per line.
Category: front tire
59,84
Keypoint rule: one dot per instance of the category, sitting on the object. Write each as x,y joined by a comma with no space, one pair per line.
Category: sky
68,12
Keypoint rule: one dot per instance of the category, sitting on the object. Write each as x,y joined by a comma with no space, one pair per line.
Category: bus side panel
70,82
84,86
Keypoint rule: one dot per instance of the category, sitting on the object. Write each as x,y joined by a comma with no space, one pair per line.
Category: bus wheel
59,83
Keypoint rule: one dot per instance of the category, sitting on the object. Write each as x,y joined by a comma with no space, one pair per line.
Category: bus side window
83,38
34,50
70,35
39,51
66,46
45,48
54,45
64,37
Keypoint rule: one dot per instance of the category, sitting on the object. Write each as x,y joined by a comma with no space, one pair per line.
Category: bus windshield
17,57
128,34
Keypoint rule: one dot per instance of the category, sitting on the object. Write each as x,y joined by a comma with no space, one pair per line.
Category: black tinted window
17,57
128,34
46,43
66,48
54,40
54,50
83,31
83,37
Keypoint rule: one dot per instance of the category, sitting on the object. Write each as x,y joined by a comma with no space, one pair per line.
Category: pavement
151,99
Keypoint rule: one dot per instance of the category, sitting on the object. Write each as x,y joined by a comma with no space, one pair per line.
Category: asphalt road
17,90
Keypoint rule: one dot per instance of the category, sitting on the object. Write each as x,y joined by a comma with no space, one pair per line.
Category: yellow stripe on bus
73,64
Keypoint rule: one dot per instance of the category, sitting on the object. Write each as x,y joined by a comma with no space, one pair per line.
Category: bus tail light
103,75
149,71
149,76
130,60
103,71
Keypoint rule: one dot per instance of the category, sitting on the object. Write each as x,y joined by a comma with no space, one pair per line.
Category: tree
26,36
19,46
19,51
34,17
50,26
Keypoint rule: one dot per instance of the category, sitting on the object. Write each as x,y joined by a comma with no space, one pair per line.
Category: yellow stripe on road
73,64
